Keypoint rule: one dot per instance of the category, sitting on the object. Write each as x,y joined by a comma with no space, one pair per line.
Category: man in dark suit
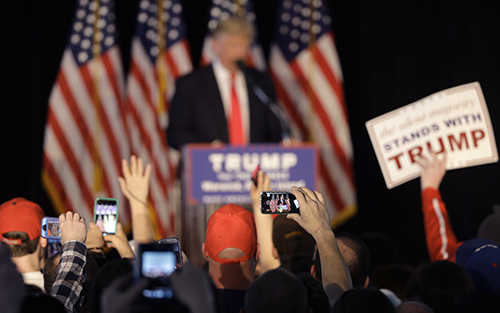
216,103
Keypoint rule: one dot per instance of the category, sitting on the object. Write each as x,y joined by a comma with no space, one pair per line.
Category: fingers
297,192
147,173
125,170
133,165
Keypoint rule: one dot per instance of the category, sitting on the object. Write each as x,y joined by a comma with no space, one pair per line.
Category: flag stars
90,19
296,21
224,16
103,11
75,39
212,24
316,28
84,2
284,29
82,57
152,9
167,4
101,23
228,5
151,35
93,6
173,34
144,5
109,41
293,47
297,8
294,34
78,26
306,12
110,28
175,21
251,16
165,16
287,5
317,3
85,44
305,25
143,17
327,20
152,22
215,12
317,15
154,51
177,8
99,36
88,31
304,38
285,17
80,14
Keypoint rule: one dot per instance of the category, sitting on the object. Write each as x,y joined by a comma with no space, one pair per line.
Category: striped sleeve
442,243
70,277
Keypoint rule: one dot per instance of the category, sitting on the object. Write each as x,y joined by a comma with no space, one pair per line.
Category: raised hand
135,181
433,171
72,227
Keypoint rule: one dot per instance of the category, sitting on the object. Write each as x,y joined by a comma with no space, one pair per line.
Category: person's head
363,300
293,245
356,256
481,259
107,274
317,299
20,223
231,247
444,276
50,271
413,307
276,291
231,41
490,226
394,277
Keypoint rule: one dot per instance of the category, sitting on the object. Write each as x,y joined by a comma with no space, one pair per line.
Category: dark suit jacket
197,113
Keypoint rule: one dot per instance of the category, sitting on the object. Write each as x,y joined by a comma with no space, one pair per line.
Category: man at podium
217,103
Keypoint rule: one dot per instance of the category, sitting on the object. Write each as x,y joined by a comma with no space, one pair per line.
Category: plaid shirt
70,276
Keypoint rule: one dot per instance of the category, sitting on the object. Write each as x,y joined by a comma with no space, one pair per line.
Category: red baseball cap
20,214
231,226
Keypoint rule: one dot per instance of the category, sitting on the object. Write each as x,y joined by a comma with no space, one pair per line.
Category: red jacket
442,243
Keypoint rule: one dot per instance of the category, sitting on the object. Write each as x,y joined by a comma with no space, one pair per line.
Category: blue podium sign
218,175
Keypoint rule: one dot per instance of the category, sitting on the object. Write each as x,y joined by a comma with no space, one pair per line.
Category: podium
215,176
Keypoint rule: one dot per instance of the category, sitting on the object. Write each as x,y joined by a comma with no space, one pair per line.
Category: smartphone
255,175
156,261
278,202
106,215
50,228
174,245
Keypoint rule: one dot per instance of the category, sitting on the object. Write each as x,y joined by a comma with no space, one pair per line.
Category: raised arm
442,243
264,225
135,187
314,219
70,276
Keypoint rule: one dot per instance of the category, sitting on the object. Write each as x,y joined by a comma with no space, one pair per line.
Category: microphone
264,98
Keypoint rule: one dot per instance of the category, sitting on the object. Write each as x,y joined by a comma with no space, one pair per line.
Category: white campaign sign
455,120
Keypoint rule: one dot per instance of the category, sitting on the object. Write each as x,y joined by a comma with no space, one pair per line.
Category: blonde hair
235,25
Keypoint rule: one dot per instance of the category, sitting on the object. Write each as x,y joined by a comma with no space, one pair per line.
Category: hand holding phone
50,228
106,215
278,202
173,244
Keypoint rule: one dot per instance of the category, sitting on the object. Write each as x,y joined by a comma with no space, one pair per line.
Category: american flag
85,133
308,82
160,54
222,10
273,205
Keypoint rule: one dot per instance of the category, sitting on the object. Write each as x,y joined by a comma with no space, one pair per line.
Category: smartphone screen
278,202
173,245
157,262
106,215
50,228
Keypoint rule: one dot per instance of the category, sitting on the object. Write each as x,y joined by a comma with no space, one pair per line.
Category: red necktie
235,127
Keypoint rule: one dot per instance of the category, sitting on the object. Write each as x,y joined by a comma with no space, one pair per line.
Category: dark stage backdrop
392,53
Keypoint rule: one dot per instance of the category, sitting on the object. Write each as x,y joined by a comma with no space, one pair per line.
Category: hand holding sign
454,121
432,171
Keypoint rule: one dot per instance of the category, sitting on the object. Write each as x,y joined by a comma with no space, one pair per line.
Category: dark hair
394,277
362,301
276,291
359,263
444,276
107,274
25,248
317,299
50,271
37,301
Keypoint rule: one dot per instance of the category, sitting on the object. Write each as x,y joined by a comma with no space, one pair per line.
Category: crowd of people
254,262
